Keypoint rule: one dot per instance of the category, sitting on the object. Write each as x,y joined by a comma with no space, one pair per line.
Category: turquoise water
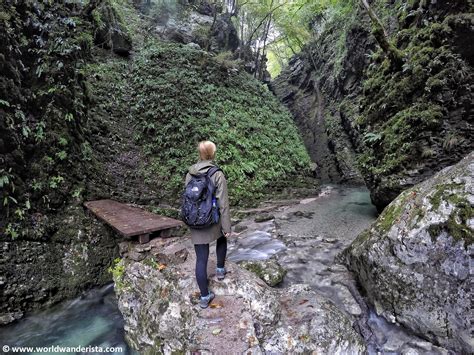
90,320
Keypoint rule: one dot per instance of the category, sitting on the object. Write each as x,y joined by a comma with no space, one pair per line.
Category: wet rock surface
40,272
159,304
415,261
306,238
317,298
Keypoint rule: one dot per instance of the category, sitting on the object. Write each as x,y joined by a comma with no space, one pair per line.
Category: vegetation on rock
79,123
404,121
182,96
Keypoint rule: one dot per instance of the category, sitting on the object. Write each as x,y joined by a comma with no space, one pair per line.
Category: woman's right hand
227,235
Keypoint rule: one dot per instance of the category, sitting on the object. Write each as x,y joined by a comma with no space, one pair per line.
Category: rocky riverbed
305,238
316,306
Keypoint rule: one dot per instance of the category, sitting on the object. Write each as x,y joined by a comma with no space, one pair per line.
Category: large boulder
112,32
187,24
158,299
415,261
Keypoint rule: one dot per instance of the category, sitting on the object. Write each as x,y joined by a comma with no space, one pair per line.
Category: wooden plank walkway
132,221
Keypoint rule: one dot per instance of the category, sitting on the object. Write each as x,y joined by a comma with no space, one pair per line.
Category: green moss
4,16
456,225
255,268
390,216
117,270
444,193
151,262
270,272
403,106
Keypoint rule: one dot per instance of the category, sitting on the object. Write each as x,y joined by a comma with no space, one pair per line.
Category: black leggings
202,255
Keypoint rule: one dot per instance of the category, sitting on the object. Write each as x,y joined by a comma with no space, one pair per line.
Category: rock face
312,95
186,24
112,32
49,249
401,124
53,266
415,262
158,299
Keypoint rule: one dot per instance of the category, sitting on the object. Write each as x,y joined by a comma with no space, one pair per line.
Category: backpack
199,208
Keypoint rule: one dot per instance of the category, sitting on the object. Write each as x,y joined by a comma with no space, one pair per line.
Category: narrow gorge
345,131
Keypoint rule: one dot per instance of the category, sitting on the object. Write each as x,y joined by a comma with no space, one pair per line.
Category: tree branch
381,36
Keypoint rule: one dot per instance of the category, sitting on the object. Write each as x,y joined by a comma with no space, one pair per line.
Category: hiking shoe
204,301
220,273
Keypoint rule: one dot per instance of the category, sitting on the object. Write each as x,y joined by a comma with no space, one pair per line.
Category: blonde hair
207,150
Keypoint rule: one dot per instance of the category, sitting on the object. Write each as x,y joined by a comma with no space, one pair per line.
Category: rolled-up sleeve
223,201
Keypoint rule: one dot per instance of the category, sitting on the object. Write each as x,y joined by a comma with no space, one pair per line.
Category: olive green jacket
208,235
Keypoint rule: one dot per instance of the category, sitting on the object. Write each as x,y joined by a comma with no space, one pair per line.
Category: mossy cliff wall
50,249
403,123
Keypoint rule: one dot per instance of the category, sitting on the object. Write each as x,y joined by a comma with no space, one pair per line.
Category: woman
219,231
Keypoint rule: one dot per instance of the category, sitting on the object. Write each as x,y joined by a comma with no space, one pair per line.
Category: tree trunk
265,37
257,57
211,30
381,36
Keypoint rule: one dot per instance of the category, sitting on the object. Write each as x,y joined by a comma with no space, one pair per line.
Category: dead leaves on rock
216,305
161,266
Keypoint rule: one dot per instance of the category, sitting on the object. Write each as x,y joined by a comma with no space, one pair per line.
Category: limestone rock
194,46
112,34
189,25
41,272
159,305
269,270
415,261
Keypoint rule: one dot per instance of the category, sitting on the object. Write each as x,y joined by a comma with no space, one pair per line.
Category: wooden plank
130,221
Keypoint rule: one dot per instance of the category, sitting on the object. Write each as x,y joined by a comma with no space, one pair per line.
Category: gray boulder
189,26
158,298
415,261
112,32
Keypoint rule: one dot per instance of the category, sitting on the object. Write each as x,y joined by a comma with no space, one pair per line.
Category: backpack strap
213,170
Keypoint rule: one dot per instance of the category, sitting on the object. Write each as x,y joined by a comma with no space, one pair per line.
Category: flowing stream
304,237
90,320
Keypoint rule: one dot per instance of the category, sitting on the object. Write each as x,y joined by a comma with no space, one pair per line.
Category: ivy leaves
184,97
